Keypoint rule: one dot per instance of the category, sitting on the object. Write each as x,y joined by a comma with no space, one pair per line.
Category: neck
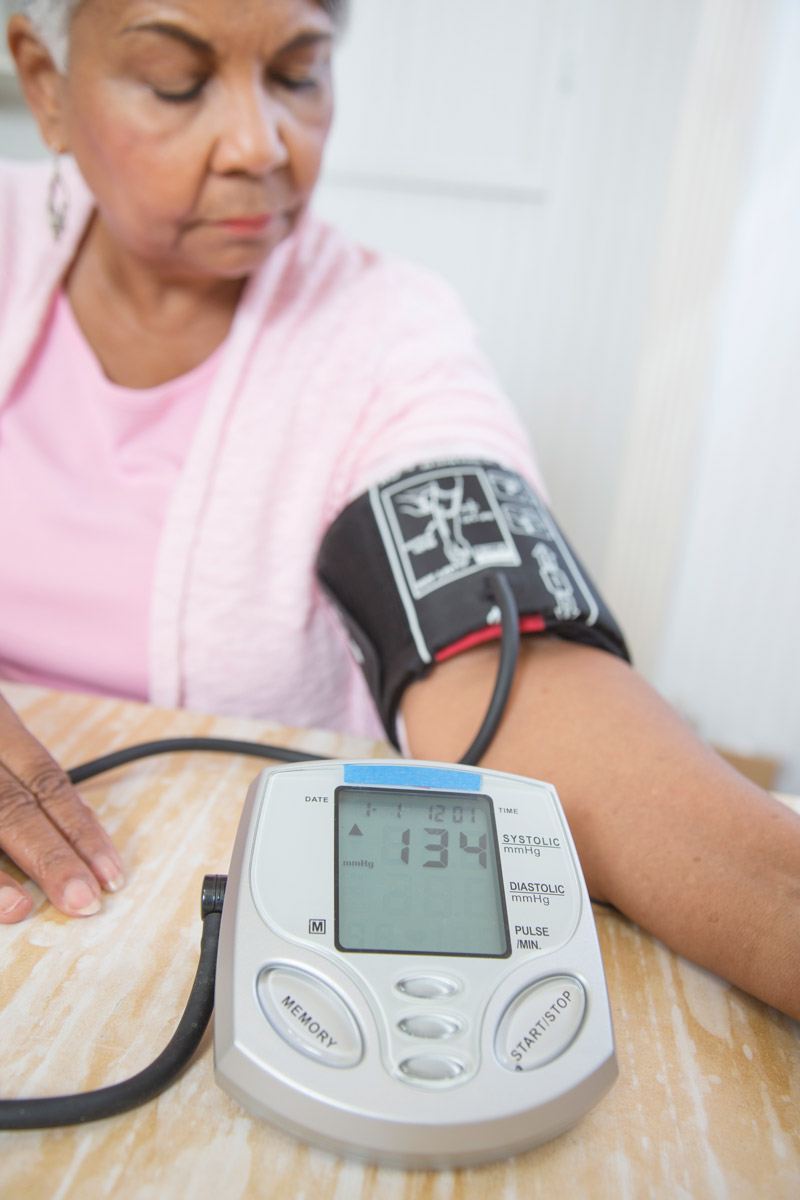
145,324
151,294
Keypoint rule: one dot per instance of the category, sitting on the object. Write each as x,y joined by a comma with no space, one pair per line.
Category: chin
244,255
238,264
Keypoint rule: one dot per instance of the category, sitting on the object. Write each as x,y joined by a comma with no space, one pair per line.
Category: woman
249,372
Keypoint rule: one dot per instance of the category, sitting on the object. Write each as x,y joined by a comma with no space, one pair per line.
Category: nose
250,137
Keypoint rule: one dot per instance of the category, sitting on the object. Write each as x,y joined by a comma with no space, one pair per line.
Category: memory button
308,1014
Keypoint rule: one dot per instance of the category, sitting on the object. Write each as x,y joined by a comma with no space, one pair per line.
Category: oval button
310,1016
428,987
540,1022
429,1025
431,1068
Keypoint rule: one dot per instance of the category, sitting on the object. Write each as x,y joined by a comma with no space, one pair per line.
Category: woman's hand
48,830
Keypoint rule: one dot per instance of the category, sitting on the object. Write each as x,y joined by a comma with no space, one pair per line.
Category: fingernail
10,899
109,873
80,899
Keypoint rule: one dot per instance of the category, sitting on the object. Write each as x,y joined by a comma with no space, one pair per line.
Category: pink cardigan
341,367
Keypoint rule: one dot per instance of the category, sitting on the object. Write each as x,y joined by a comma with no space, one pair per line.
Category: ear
41,82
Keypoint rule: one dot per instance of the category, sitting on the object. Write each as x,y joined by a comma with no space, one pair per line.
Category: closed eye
296,83
184,97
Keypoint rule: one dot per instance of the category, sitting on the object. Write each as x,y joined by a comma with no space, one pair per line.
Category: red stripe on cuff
532,624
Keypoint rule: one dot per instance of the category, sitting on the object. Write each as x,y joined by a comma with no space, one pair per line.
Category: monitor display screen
418,873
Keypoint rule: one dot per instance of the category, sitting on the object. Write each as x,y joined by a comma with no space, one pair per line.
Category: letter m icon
317,925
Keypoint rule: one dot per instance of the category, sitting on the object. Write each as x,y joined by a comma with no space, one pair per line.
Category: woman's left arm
666,830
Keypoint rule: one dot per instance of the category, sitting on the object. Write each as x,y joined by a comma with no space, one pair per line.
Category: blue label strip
406,775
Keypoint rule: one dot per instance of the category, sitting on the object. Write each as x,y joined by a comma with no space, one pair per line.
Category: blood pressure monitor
408,966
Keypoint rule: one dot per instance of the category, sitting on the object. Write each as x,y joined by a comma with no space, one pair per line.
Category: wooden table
707,1103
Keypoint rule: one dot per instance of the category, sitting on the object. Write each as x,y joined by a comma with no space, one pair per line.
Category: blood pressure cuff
407,566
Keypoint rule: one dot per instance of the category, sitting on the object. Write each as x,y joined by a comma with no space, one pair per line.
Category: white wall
730,653
610,187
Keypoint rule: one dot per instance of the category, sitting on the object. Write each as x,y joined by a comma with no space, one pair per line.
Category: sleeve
432,394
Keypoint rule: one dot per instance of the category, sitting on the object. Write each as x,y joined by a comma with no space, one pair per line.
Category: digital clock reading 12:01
418,874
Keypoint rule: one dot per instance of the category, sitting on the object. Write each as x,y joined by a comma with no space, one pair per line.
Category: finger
38,849
73,819
15,903
28,763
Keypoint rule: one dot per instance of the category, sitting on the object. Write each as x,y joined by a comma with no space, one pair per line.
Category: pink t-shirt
87,471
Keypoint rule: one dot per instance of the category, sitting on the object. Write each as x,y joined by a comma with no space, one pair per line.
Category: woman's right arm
48,831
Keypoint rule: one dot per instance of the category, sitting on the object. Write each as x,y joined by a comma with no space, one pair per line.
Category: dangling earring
57,198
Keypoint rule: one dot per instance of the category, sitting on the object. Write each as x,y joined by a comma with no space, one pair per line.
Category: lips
247,225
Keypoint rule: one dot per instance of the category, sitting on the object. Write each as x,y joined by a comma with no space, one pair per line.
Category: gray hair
52,18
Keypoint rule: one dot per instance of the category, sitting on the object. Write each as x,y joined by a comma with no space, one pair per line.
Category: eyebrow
309,38
172,31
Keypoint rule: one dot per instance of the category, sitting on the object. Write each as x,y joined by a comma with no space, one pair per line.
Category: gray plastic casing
369,1108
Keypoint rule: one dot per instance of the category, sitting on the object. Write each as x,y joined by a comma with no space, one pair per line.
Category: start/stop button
540,1022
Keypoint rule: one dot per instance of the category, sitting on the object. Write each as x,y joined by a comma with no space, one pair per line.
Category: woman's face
199,125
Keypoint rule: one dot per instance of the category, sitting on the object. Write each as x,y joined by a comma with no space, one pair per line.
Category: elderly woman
196,377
